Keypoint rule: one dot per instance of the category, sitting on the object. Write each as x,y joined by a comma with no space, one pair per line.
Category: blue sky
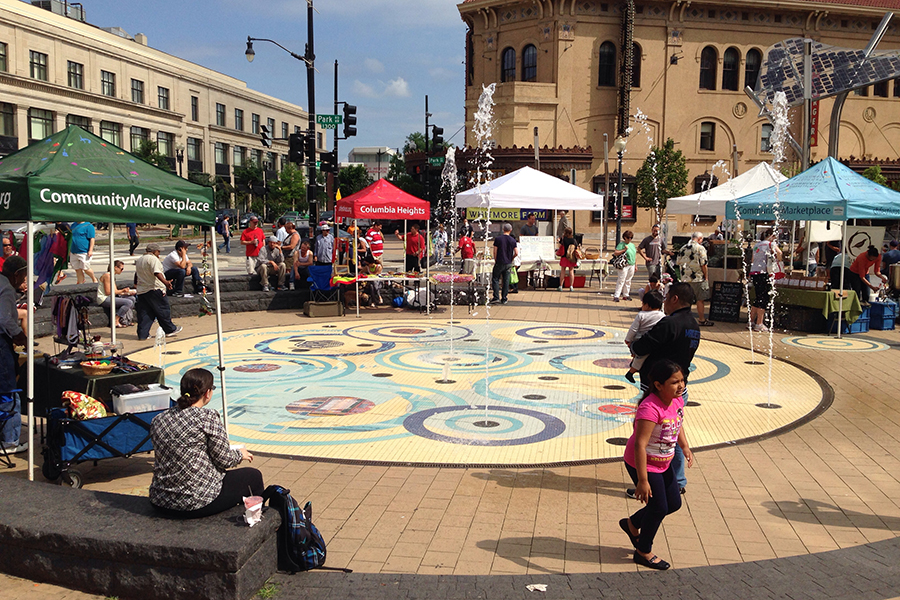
391,53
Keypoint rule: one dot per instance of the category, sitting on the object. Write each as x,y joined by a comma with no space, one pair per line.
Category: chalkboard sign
727,298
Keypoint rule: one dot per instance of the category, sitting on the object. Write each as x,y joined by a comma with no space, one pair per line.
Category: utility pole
310,57
334,177
427,154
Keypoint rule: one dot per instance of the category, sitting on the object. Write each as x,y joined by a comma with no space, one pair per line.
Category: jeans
123,305
12,428
178,275
665,499
132,244
653,270
236,484
501,271
150,306
226,243
623,282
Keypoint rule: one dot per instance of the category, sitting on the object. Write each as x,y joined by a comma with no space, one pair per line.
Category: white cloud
397,88
364,90
373,65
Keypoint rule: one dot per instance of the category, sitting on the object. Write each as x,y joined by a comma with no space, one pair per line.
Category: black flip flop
707,323
661,565
623,523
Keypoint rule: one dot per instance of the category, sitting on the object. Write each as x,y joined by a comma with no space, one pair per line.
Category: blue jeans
177,276
12,428
501,271
153,306
226,243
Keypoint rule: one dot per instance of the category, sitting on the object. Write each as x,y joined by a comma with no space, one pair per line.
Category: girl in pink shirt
648,457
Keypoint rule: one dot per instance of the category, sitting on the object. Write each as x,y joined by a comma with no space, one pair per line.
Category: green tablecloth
827,301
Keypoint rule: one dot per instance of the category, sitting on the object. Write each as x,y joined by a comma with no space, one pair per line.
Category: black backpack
300,545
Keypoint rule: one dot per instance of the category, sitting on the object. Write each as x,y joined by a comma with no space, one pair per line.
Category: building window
138,135
284,130
765,137
76,75
195,108
257,156
38,65
296,129
752,64
284,161
707,135
271,125
731,61
220,114
880,89
165,143
137,91
194,149
83,122
897,88
40,124
270,161
863,91
111,132
708,60
529,63
221,154
7,119
162,95
320,143
239,119
4,66
607,65
636,65
254,123
238,153
470,59
107,83
508,65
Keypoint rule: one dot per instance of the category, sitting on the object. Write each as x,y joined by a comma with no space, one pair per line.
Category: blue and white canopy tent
827,191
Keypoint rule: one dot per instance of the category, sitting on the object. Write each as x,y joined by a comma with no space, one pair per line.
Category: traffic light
437,137
349,120
266,136
296,148
329,162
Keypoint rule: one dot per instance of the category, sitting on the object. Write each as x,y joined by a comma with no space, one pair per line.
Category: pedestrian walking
626,273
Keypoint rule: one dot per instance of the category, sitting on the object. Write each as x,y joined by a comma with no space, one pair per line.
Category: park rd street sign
329,121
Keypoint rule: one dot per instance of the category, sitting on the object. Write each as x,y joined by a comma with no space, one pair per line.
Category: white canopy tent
712,201
529,188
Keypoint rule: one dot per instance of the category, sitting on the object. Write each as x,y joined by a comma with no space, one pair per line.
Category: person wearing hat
271,261
323,246
176,266
152,303
253,239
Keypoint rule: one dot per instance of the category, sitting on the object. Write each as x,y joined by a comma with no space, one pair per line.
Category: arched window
751,68
635,65
607,65
470,59
707,135
508,65
529,63
731,69
708,59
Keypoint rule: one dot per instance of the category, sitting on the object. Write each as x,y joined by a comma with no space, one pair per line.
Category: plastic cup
253,502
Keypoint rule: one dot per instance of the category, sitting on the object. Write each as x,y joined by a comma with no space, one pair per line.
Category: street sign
329,121
435,161
319,164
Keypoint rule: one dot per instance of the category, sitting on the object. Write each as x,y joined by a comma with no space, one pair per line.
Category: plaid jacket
192,453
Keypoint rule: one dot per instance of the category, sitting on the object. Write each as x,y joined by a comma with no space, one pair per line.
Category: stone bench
116,545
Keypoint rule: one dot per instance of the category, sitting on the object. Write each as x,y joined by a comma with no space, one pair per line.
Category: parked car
292,215
245,218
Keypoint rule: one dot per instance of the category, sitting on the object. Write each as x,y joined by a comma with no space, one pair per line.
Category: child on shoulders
650,315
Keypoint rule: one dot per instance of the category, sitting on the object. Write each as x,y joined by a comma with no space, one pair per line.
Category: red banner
814,123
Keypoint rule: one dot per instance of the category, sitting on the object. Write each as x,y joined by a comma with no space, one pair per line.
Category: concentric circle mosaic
468,393
833,344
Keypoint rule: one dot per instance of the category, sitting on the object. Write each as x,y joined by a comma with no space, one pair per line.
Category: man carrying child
651,313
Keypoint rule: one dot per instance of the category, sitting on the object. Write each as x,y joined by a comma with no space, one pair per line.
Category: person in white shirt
270,261
152,303
177,265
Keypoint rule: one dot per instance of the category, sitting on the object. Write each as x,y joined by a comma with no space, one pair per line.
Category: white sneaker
176,332
290,286
265,288
760,328
15,447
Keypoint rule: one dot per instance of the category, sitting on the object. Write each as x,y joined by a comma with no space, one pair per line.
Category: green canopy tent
74,175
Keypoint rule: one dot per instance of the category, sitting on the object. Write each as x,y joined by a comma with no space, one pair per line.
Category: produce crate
861,325
882,315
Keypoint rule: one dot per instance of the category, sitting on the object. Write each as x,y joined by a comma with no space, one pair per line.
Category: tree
221,188
148,151
663,175
415,142
874,173
352,179
289,189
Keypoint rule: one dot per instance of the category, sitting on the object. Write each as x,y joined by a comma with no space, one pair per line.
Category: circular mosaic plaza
470,393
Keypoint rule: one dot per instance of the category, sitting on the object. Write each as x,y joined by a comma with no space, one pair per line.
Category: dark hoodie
675,337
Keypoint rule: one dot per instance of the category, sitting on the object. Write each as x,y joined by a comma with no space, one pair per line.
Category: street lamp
179,156
619,147
309,58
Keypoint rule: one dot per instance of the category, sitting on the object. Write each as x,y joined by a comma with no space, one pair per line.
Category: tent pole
356,260
215,269
112,288
29,349
843,266
427,262
405,242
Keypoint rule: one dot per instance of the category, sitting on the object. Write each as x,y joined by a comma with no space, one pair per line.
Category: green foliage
221,188
148,151
415,142
669,168
268,591
874,173
289,190
353,179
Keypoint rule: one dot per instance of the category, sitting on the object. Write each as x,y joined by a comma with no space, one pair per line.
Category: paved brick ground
812,513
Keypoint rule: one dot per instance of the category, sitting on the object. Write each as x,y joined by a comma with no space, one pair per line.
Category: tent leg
843,266
220,342
356,260
29,350
427,264
112,286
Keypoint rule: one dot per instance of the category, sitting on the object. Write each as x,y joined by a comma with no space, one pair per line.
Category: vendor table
827,301
598,267
50,381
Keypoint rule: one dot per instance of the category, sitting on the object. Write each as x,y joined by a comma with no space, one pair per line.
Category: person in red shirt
253,239
415,248
860,269
376,240
466,249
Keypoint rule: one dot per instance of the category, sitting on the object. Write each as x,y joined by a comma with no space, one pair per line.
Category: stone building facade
556,64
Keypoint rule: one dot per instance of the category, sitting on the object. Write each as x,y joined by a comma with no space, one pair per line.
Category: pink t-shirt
661,447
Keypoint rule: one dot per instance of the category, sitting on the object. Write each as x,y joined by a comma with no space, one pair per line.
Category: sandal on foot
623,523
659,565
707,323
